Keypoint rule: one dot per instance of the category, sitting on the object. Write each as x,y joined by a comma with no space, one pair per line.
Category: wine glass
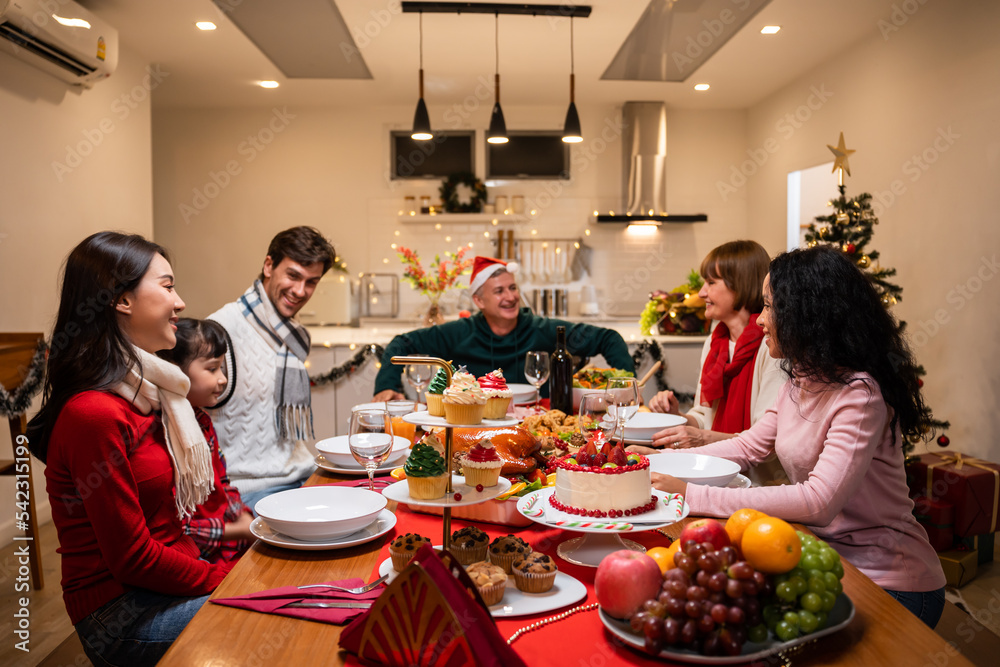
419,376
370,440
594,416
622,395
536,371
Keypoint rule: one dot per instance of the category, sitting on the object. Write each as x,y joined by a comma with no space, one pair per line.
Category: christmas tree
850,228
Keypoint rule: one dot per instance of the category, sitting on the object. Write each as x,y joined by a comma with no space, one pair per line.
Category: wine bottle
561,375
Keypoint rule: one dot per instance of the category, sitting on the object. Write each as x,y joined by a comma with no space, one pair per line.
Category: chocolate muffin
469,545
505,550
403,548
535,573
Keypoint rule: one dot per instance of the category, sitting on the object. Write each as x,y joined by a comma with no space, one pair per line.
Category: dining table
882,631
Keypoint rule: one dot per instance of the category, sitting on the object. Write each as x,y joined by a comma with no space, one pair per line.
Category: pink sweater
848,483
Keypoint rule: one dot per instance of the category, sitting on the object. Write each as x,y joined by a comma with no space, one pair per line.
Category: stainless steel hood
644,167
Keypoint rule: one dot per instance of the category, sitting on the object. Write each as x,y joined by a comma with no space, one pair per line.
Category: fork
353,591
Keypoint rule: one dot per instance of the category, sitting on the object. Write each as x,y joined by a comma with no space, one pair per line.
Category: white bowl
695,468
523,393
644,425
338,452
316,513
578,393
380,405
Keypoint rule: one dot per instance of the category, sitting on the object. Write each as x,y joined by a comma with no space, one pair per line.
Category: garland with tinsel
16,403
655,352
348,367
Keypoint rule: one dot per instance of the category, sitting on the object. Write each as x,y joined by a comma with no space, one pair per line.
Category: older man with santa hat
498,336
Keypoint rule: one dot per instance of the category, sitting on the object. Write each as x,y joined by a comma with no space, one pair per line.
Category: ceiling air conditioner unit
59,37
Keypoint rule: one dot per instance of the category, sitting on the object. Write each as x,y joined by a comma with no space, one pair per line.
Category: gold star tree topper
841,154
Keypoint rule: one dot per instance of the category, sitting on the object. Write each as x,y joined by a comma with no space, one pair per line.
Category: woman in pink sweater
837,427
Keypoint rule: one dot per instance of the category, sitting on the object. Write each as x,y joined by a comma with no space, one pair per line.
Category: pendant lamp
571,128
421,120
497,133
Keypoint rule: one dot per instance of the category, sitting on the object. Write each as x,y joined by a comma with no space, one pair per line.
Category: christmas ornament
823,231
863,262
843,218
849,248
944,441
920,383
841,154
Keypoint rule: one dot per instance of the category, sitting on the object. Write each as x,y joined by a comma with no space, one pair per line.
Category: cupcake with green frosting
426,472
435,393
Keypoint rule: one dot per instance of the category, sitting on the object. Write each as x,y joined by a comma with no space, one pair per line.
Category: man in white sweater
265,415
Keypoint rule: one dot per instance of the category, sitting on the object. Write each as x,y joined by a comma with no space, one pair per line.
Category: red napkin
380,483
273,601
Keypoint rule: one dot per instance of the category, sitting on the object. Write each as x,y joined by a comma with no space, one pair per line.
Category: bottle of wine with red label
561,375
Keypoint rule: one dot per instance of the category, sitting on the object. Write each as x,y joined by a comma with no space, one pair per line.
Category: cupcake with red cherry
481,464
498,394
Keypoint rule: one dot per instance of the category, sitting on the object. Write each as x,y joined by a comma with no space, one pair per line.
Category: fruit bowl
840,617
694,468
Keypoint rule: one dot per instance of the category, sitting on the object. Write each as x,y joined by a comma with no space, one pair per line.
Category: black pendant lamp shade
497,132
421,120
572,134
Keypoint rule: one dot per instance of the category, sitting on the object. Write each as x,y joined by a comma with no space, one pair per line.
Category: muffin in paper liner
435,405
535,573
464,413
428,488
496,407
489,580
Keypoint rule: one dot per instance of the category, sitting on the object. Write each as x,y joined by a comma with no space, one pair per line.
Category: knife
331,605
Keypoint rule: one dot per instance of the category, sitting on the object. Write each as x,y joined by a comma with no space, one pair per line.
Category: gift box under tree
972,486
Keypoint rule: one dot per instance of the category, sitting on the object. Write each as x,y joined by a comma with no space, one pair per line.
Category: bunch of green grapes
804,596
649,317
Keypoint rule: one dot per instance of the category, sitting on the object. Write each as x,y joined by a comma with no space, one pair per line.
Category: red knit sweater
110,483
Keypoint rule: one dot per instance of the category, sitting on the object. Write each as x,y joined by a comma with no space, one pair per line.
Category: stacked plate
320,513
338,452
695,468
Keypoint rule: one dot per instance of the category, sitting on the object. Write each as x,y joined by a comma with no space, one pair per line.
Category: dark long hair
829,323
195,339
88,348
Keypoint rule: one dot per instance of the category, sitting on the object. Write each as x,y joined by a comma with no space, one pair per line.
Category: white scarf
160,385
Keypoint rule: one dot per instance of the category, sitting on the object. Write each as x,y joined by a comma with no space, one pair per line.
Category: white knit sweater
256,458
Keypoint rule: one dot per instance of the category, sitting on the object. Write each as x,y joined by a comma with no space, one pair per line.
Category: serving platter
425,418
400,492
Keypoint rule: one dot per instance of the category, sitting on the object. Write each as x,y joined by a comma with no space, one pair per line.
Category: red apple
624,580
706,530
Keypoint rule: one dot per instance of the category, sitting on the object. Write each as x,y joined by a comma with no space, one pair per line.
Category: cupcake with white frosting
464,400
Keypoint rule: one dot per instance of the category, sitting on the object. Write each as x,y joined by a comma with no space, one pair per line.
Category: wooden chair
16,352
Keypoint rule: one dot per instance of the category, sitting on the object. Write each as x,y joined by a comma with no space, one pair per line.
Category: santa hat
483,269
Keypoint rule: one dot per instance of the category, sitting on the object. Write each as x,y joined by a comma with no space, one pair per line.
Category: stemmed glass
594,416
622,395
370,440
419,376
536,371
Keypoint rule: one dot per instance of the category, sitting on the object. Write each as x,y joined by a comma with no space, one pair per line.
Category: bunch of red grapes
709,602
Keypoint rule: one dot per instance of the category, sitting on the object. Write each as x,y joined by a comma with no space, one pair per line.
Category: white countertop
381,331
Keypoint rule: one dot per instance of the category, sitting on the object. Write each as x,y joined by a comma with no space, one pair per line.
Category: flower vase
433,315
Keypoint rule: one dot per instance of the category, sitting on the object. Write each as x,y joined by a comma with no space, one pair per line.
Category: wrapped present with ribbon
959,565
938,519
971,485
431,614
983,545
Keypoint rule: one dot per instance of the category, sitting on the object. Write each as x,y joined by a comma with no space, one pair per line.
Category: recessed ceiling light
268,84
205,25
701,86
770,29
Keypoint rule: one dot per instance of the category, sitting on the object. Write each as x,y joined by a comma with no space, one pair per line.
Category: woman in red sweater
125,457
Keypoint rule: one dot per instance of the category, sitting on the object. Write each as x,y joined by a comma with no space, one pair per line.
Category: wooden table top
883,632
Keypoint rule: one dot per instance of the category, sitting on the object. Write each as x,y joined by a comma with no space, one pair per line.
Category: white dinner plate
740,482
382,525
565,591
400,492
522,393
380,405
337,451
321,462
840,617
671,509
426,419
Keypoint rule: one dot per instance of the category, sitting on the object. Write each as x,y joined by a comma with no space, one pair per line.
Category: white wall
327,167
47,210
929,88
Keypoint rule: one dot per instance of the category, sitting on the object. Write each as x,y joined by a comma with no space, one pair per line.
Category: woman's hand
239,529
388,395
680,437
639,449
668,483
665,401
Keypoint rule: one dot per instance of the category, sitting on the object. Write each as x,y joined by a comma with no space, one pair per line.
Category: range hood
644,168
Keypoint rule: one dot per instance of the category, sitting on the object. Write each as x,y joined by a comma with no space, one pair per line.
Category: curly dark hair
829,323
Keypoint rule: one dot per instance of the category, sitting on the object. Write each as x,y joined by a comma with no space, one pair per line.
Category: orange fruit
738,521
664,556
397,473
771,545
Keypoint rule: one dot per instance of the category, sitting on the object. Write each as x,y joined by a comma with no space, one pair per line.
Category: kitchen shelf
463,218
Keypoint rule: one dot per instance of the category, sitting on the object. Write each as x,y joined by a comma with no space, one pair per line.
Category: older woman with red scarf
739,379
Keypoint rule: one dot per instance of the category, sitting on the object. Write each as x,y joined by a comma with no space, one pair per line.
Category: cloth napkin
274,601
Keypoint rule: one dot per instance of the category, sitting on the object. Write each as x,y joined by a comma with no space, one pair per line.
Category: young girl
125,457
221,525
837,427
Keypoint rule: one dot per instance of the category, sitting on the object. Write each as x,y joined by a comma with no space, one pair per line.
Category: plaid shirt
222,506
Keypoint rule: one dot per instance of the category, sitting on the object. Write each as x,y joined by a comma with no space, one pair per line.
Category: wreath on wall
449,193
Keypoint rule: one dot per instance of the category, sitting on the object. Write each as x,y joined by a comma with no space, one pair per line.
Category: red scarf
730,381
